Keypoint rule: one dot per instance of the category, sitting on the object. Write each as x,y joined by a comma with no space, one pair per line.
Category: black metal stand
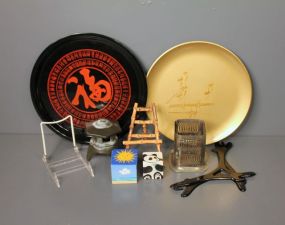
224,171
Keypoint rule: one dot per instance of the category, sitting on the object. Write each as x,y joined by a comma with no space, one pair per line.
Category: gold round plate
200,80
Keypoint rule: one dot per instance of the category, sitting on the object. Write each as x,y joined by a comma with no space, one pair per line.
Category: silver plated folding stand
61,167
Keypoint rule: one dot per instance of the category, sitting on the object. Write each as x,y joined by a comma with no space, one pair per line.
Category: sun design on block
125,156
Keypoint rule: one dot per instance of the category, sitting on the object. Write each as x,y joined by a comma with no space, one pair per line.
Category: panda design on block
152,165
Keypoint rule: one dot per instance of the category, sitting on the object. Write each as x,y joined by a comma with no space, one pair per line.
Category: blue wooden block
124,166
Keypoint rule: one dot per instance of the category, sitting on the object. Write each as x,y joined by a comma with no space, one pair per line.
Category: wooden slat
138,142
141,109
143,135
143,122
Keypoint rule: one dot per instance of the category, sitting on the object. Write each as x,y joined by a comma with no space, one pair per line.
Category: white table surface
28,195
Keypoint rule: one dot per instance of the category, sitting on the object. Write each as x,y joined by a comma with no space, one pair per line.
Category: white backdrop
254,30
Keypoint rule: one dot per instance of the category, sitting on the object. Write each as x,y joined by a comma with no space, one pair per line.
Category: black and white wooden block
152,165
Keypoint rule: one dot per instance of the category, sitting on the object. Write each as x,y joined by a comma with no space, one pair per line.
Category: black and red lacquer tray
88,76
